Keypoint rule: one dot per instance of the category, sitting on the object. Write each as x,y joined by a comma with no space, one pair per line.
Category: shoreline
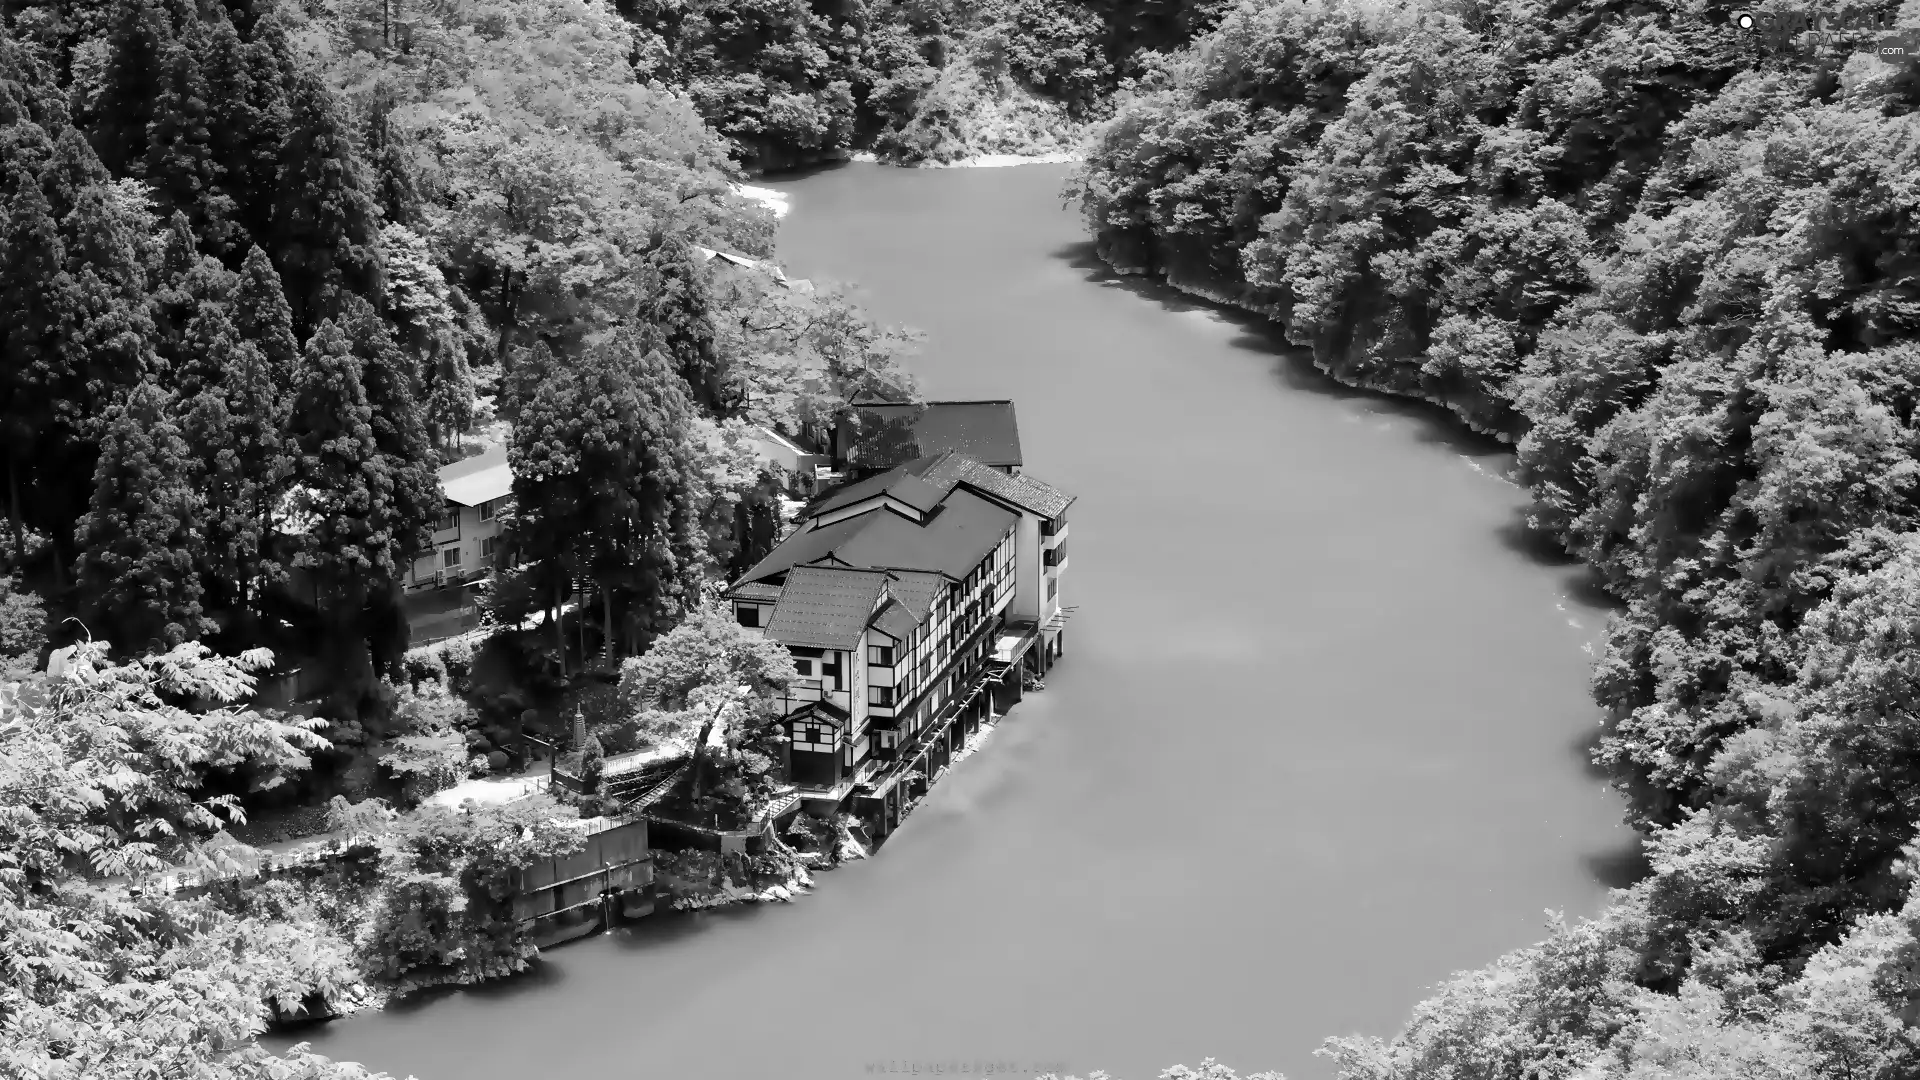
976,161
799,881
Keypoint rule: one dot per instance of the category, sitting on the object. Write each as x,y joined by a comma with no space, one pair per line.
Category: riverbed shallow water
1319,740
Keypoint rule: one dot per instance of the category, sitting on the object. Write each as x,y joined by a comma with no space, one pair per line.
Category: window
448,520
813,734
804,667
487,546
1047,526
1053,587
450,557
748,614
881,696
487,509
880,655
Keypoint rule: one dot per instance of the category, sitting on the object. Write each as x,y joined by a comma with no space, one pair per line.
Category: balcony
1054,538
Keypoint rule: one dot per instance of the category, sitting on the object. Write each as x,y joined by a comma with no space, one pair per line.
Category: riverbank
976,161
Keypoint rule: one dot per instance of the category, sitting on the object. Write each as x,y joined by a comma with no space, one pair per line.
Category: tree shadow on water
800,172
1620,867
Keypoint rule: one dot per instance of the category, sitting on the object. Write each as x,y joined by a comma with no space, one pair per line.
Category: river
1318,740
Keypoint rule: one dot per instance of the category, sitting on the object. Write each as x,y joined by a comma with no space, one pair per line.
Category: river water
1318,741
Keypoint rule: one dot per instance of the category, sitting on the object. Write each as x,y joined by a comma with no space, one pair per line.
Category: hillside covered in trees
790,81
1679,267
263,270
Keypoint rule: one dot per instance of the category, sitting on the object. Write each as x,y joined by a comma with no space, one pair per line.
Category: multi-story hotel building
906,600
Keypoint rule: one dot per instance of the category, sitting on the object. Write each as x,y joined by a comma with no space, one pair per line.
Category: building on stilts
918,603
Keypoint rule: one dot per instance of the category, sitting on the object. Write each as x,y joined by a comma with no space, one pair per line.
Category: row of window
451,519
450,556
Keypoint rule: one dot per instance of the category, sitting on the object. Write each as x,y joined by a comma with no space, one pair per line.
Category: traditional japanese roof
755,590
819,711
986,431
896,621
824,606
915,592
962,530
476,480
899,484
1034,496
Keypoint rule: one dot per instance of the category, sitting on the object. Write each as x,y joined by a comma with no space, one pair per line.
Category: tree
418,303
678,312
182,158
126,104
603,485
141,540
348,544
324,224
34,294
705,673
23,629
104,783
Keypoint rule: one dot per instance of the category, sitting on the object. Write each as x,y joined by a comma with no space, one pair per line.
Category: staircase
652,794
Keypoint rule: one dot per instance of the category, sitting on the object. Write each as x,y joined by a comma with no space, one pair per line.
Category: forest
1678,268
267,266
263,270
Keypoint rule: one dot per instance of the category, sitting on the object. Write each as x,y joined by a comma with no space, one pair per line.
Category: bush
425,665
424,764
457,661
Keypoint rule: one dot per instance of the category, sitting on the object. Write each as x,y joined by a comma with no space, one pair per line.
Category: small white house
467,536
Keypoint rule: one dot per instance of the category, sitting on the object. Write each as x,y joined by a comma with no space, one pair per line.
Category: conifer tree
602,479
233,416
250,121
408,462
324,219
261,314
181,162
140,540
35,294
418,303
73,168
188,282
119,119
348,535
678,313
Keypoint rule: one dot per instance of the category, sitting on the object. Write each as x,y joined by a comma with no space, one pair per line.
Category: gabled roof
476,480
1034,496
895,621
825,607
915,592
755,590
900,484
951,542
987,431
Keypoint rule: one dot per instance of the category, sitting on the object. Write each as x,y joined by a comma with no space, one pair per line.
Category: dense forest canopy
1679,266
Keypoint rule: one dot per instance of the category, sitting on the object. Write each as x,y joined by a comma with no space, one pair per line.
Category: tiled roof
986,431
900,484
952,541
475,480
896,621
825,607
1033,496
916,592
754,590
